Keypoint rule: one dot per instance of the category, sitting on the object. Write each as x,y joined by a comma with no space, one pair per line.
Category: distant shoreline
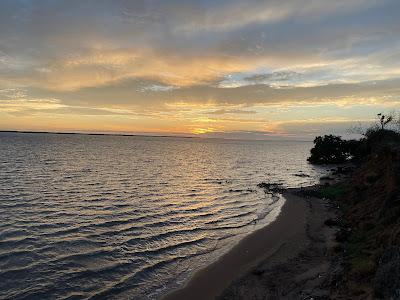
150,135
96,134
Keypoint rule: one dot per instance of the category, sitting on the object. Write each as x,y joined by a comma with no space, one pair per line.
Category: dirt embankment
370,232
362,261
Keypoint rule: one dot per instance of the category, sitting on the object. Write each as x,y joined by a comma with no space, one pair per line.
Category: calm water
130,217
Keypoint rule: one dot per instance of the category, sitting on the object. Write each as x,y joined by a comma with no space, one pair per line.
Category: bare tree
390,121
384,120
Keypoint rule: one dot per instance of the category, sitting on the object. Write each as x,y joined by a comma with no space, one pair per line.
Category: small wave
167,248
11,234
12,244
252,222
114,215
133,280
163,235
236,216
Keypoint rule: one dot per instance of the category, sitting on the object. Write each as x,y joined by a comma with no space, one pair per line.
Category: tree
384,120
331,149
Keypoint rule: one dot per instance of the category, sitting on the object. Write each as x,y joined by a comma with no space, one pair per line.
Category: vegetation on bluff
331,149
369,223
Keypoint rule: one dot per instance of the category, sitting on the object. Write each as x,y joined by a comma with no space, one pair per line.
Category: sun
202,130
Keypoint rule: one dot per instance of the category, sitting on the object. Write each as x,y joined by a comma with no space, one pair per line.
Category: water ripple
128,217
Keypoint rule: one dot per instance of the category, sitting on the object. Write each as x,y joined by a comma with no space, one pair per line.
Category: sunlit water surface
122,217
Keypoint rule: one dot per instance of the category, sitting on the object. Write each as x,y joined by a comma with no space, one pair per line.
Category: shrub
331,149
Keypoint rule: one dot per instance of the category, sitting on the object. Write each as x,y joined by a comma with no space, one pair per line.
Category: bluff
371,223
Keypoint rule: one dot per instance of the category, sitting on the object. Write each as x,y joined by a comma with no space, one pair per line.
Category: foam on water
130,217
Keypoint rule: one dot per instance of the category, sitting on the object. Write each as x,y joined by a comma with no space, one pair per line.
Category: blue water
121,217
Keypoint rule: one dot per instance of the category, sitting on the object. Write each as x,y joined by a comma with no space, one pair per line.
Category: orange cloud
101,67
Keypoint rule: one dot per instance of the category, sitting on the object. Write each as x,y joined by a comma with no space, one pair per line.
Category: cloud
66,46
233,14
140,96
231,111
99,68
18,102
272,77
221,63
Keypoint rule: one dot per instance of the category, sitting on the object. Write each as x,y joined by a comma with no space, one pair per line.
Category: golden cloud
99,68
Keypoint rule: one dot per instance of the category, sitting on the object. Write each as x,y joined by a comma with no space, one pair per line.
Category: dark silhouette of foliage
384,120
388,122
331,149
378,139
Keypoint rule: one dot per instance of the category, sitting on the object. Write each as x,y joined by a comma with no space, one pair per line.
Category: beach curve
279,241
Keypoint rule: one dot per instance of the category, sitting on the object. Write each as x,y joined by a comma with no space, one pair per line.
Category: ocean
131,217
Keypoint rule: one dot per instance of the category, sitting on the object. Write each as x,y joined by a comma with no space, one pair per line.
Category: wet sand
284,259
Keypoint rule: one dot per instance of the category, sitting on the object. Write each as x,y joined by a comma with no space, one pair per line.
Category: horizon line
145,135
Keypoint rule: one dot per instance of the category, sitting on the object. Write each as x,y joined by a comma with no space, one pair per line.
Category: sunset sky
234,69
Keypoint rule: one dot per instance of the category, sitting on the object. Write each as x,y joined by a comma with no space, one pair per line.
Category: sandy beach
288,258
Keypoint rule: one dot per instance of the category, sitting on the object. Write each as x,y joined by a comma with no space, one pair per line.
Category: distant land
149,135
88,133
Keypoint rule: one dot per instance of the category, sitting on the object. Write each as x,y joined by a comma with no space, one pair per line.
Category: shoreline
232,275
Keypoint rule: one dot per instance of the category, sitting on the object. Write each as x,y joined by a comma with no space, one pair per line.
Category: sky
222,68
